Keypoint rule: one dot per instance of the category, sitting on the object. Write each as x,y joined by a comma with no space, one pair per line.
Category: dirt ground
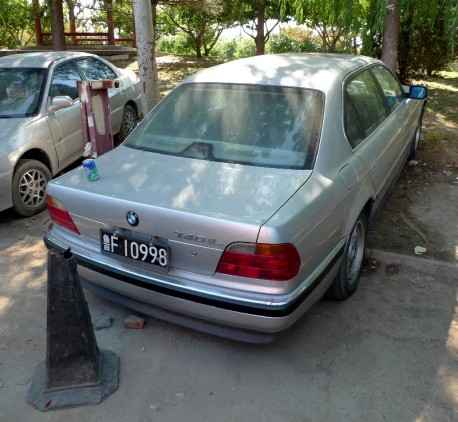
422,209
389,353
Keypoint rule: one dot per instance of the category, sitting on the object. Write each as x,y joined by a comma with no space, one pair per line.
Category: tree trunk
260,41
154,4
391,35
72,19
198,47
37,19
57,25
146,53
110,21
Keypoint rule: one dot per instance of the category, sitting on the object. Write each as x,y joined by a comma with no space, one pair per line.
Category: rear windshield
244,124
20,91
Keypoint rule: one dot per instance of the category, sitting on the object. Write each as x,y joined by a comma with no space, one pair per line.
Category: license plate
133,248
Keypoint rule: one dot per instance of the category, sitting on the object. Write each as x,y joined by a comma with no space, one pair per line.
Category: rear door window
95,70
64,81
390,86
364,107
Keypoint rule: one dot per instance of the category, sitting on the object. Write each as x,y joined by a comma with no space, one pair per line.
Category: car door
374,128
65,124
94,69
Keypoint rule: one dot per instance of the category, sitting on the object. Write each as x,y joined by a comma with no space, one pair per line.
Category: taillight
59,214
262,261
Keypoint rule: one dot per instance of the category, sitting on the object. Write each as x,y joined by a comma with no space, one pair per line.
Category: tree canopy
414,36
203,22
16,23
423,31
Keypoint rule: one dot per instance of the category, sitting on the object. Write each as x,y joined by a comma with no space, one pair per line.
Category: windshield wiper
5,116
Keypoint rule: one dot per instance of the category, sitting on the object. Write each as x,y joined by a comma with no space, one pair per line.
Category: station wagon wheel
347,279
416,138
128,122
29,187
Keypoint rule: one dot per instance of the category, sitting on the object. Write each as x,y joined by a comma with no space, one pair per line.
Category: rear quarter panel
319,217
128,92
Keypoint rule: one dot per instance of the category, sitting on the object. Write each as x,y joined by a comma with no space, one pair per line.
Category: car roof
309,70
39,59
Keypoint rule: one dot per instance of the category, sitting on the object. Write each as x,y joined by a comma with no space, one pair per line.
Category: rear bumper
183,320
243,316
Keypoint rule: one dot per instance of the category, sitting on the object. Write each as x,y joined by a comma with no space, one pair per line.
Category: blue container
90,168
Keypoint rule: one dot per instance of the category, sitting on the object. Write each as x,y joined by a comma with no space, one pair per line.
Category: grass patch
440,123
173,69
442,99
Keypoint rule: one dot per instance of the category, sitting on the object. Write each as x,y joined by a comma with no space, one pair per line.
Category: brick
134,322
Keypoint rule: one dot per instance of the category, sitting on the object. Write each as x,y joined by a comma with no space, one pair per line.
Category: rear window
244,124
94,69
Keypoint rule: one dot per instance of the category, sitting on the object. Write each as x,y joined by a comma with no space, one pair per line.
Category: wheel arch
364,202
38,155
133,104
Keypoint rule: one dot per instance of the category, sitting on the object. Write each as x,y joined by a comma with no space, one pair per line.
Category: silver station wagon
40,119
245,196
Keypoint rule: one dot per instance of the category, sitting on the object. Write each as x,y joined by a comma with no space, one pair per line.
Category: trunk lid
198,207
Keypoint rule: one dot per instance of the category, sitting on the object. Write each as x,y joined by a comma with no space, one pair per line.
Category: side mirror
59,102
418,92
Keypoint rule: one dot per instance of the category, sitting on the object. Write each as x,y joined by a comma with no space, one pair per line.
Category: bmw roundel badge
132,218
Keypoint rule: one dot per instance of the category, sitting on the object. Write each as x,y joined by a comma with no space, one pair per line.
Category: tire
29,187
416,139
347,279
128,122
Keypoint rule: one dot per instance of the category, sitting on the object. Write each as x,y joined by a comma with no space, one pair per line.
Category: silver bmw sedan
245,196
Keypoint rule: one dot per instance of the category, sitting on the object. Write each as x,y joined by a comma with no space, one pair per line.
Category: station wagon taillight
59,214
261,261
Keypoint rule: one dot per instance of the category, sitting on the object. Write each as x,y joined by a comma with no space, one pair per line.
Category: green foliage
423,43
123,18
16,23
247,11
245,47
428,28
371,33
225,48
202,21
176,44
335,21
235,48
258,19
282,43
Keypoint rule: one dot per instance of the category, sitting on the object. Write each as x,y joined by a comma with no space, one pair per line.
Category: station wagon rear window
244,124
